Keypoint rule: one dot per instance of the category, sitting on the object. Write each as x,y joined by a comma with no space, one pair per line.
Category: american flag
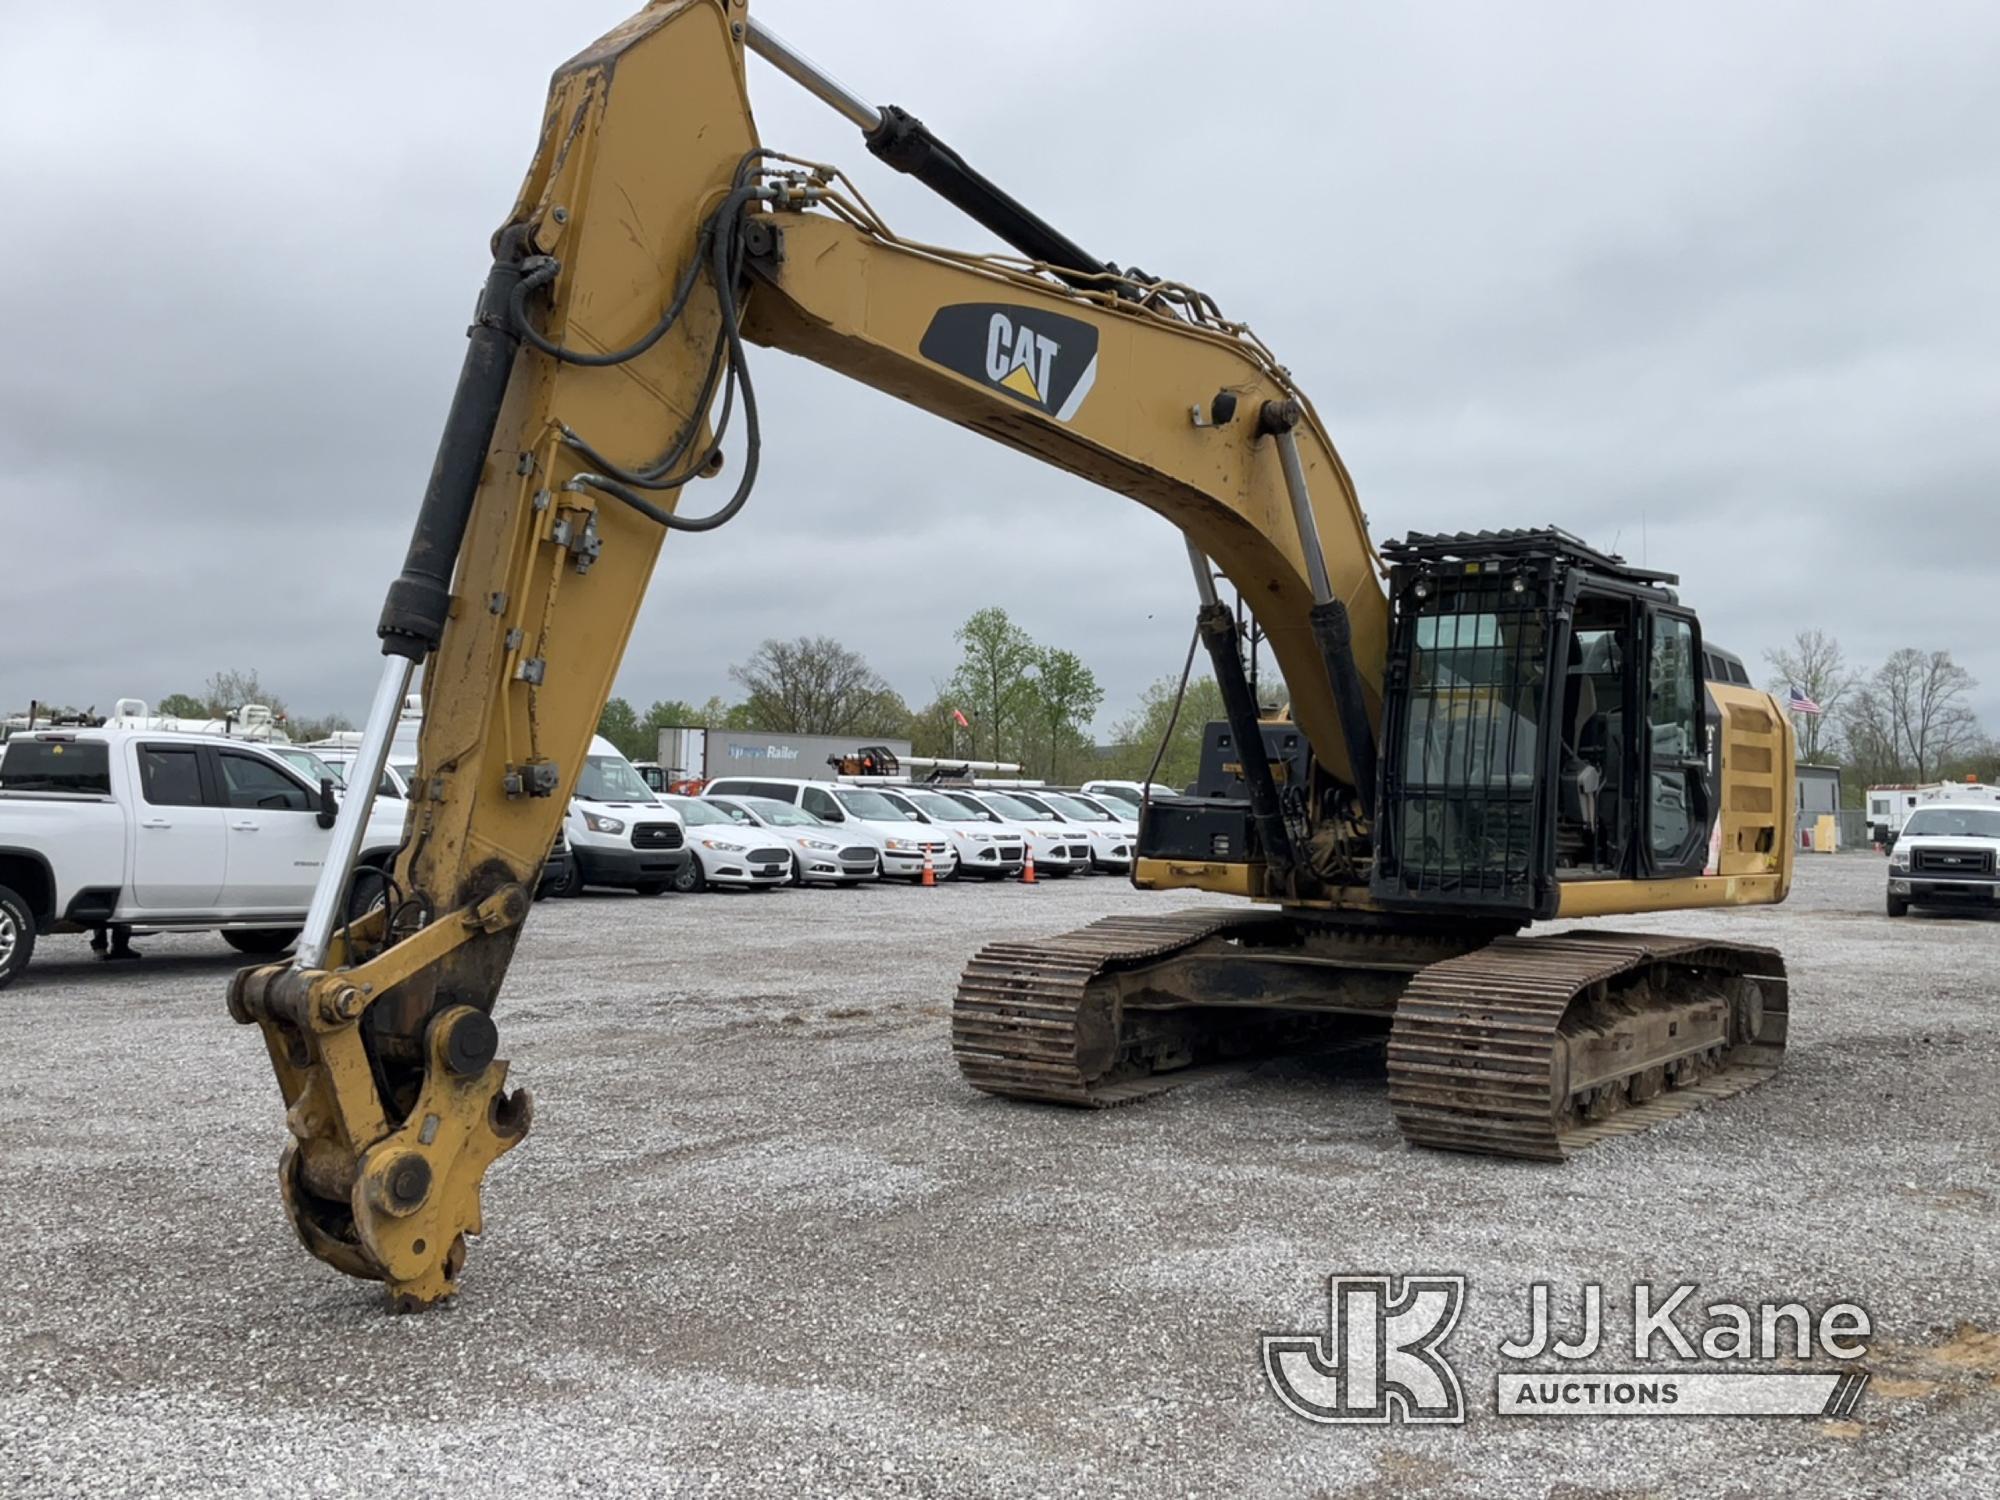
1799,703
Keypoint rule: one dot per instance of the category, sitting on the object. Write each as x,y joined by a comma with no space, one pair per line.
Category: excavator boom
653,240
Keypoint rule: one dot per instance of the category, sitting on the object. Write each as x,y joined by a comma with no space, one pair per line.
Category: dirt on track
763,1240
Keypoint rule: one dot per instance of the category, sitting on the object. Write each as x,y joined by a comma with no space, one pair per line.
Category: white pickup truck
1948,854
109,831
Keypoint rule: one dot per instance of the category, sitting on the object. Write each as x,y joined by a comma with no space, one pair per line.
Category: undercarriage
1513,1046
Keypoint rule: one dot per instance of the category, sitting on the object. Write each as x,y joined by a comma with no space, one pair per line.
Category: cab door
276,845
179,843
1678,785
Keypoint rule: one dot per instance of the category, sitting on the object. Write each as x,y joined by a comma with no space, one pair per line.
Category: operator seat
1581,780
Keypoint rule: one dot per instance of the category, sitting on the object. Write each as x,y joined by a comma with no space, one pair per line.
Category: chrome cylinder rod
1302,515
1204,576
808,75
1331,627
330,894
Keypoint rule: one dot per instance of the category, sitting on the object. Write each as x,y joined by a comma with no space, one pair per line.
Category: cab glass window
1476,701
1673,728
170,775
57,766
610,778
248,781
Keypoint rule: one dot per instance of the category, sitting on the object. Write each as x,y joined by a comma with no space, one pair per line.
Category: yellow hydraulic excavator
1485,730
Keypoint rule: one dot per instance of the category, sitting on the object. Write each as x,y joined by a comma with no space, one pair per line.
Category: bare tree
1868,734
1924,694
815,685
1814,664
228,691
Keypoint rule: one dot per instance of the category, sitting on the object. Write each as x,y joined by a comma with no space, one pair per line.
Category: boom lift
1515,728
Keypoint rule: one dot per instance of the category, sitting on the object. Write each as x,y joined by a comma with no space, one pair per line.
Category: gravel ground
763,1241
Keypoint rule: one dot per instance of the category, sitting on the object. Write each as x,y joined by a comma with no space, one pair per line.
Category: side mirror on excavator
329,804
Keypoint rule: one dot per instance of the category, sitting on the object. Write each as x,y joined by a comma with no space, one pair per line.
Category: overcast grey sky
1710,283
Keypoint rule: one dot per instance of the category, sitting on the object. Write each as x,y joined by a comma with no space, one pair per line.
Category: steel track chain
1474,1049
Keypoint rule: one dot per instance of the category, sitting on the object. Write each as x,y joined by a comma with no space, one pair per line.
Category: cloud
1710,283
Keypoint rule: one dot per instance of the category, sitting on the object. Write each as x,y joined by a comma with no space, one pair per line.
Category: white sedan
725,852
821,853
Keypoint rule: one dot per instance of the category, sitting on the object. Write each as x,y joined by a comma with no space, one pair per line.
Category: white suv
985,847
1113,838
1131,793
1058,848
904,843
1095,837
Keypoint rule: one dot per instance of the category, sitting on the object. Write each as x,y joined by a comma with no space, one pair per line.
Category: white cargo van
619,833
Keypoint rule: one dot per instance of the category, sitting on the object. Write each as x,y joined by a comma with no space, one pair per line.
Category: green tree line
1009,698
1907,718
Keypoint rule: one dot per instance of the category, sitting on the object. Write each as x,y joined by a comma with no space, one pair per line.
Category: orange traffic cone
930,875
1028,870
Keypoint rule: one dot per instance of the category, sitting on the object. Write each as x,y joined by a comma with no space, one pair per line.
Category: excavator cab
1545,723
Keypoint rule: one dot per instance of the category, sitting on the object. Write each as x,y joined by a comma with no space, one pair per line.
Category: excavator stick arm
652,234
